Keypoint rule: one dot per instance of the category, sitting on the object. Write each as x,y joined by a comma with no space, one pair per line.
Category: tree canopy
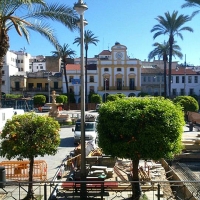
29,136
188,103
126,125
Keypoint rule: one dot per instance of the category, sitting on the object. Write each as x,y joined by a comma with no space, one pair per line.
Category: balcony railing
152,190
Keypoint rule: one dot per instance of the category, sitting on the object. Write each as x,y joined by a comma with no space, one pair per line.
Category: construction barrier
19,170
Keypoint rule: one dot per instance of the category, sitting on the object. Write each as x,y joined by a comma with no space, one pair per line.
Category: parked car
46,108
90,130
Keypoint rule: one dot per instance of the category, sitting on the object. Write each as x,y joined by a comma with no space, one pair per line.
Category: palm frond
45,30
56,12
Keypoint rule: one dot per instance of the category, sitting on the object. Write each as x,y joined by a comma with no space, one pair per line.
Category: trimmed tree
96,98
140,128
112,97
39,100
61,99
188,103
28,136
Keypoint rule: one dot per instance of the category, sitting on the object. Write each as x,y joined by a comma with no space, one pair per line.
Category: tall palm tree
162,51
172,25
89,38
26,15
65,52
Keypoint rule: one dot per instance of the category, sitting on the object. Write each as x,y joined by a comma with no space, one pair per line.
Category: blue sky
126,21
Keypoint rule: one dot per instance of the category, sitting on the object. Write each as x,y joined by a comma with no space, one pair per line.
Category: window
17,86
21,61
70,78
173,91
41,67
191,91
18,61
149,78
3,72
91,89
131,69
182,92
189,79
144,78
177,79
39,86
55,85
119,83
3,82
154,79
106,70
30,86
119,69
183,79
196,79
91,78
131,83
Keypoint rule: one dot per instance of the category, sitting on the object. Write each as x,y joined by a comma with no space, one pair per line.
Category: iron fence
59,189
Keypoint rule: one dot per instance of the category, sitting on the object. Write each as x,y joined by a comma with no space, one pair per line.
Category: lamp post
185,77
80,7
177,68
105,87
49,87
160,85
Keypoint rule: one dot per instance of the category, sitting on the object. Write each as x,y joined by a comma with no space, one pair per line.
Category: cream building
118,73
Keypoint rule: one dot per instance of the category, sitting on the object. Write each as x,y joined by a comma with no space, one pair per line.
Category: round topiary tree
112,97
39,100
28,136
96,98
140,128
188,103
61,99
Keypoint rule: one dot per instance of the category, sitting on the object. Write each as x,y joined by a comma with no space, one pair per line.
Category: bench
93,184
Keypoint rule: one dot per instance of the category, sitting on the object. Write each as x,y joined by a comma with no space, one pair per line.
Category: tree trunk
165,75
136,190
4,46
66,82
171,42
86,96
30,193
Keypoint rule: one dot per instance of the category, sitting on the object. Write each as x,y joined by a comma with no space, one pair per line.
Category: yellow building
118,73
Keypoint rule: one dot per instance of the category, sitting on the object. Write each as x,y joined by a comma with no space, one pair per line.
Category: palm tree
162,51
26,15
23,16
89,38
172,25
65,52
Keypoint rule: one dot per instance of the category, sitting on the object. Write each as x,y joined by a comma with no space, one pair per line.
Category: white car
46,108
90,131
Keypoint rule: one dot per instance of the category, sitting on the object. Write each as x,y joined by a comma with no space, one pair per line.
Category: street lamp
105,87
80,7
185,66
49,87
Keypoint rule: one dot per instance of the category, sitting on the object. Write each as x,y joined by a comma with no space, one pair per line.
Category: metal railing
151,190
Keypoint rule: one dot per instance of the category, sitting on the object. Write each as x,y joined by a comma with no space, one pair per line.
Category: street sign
76,81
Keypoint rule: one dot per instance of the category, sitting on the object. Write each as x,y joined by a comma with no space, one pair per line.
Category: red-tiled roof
182,71
105,53
73,67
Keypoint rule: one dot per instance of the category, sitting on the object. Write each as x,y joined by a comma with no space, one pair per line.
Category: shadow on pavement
67,142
